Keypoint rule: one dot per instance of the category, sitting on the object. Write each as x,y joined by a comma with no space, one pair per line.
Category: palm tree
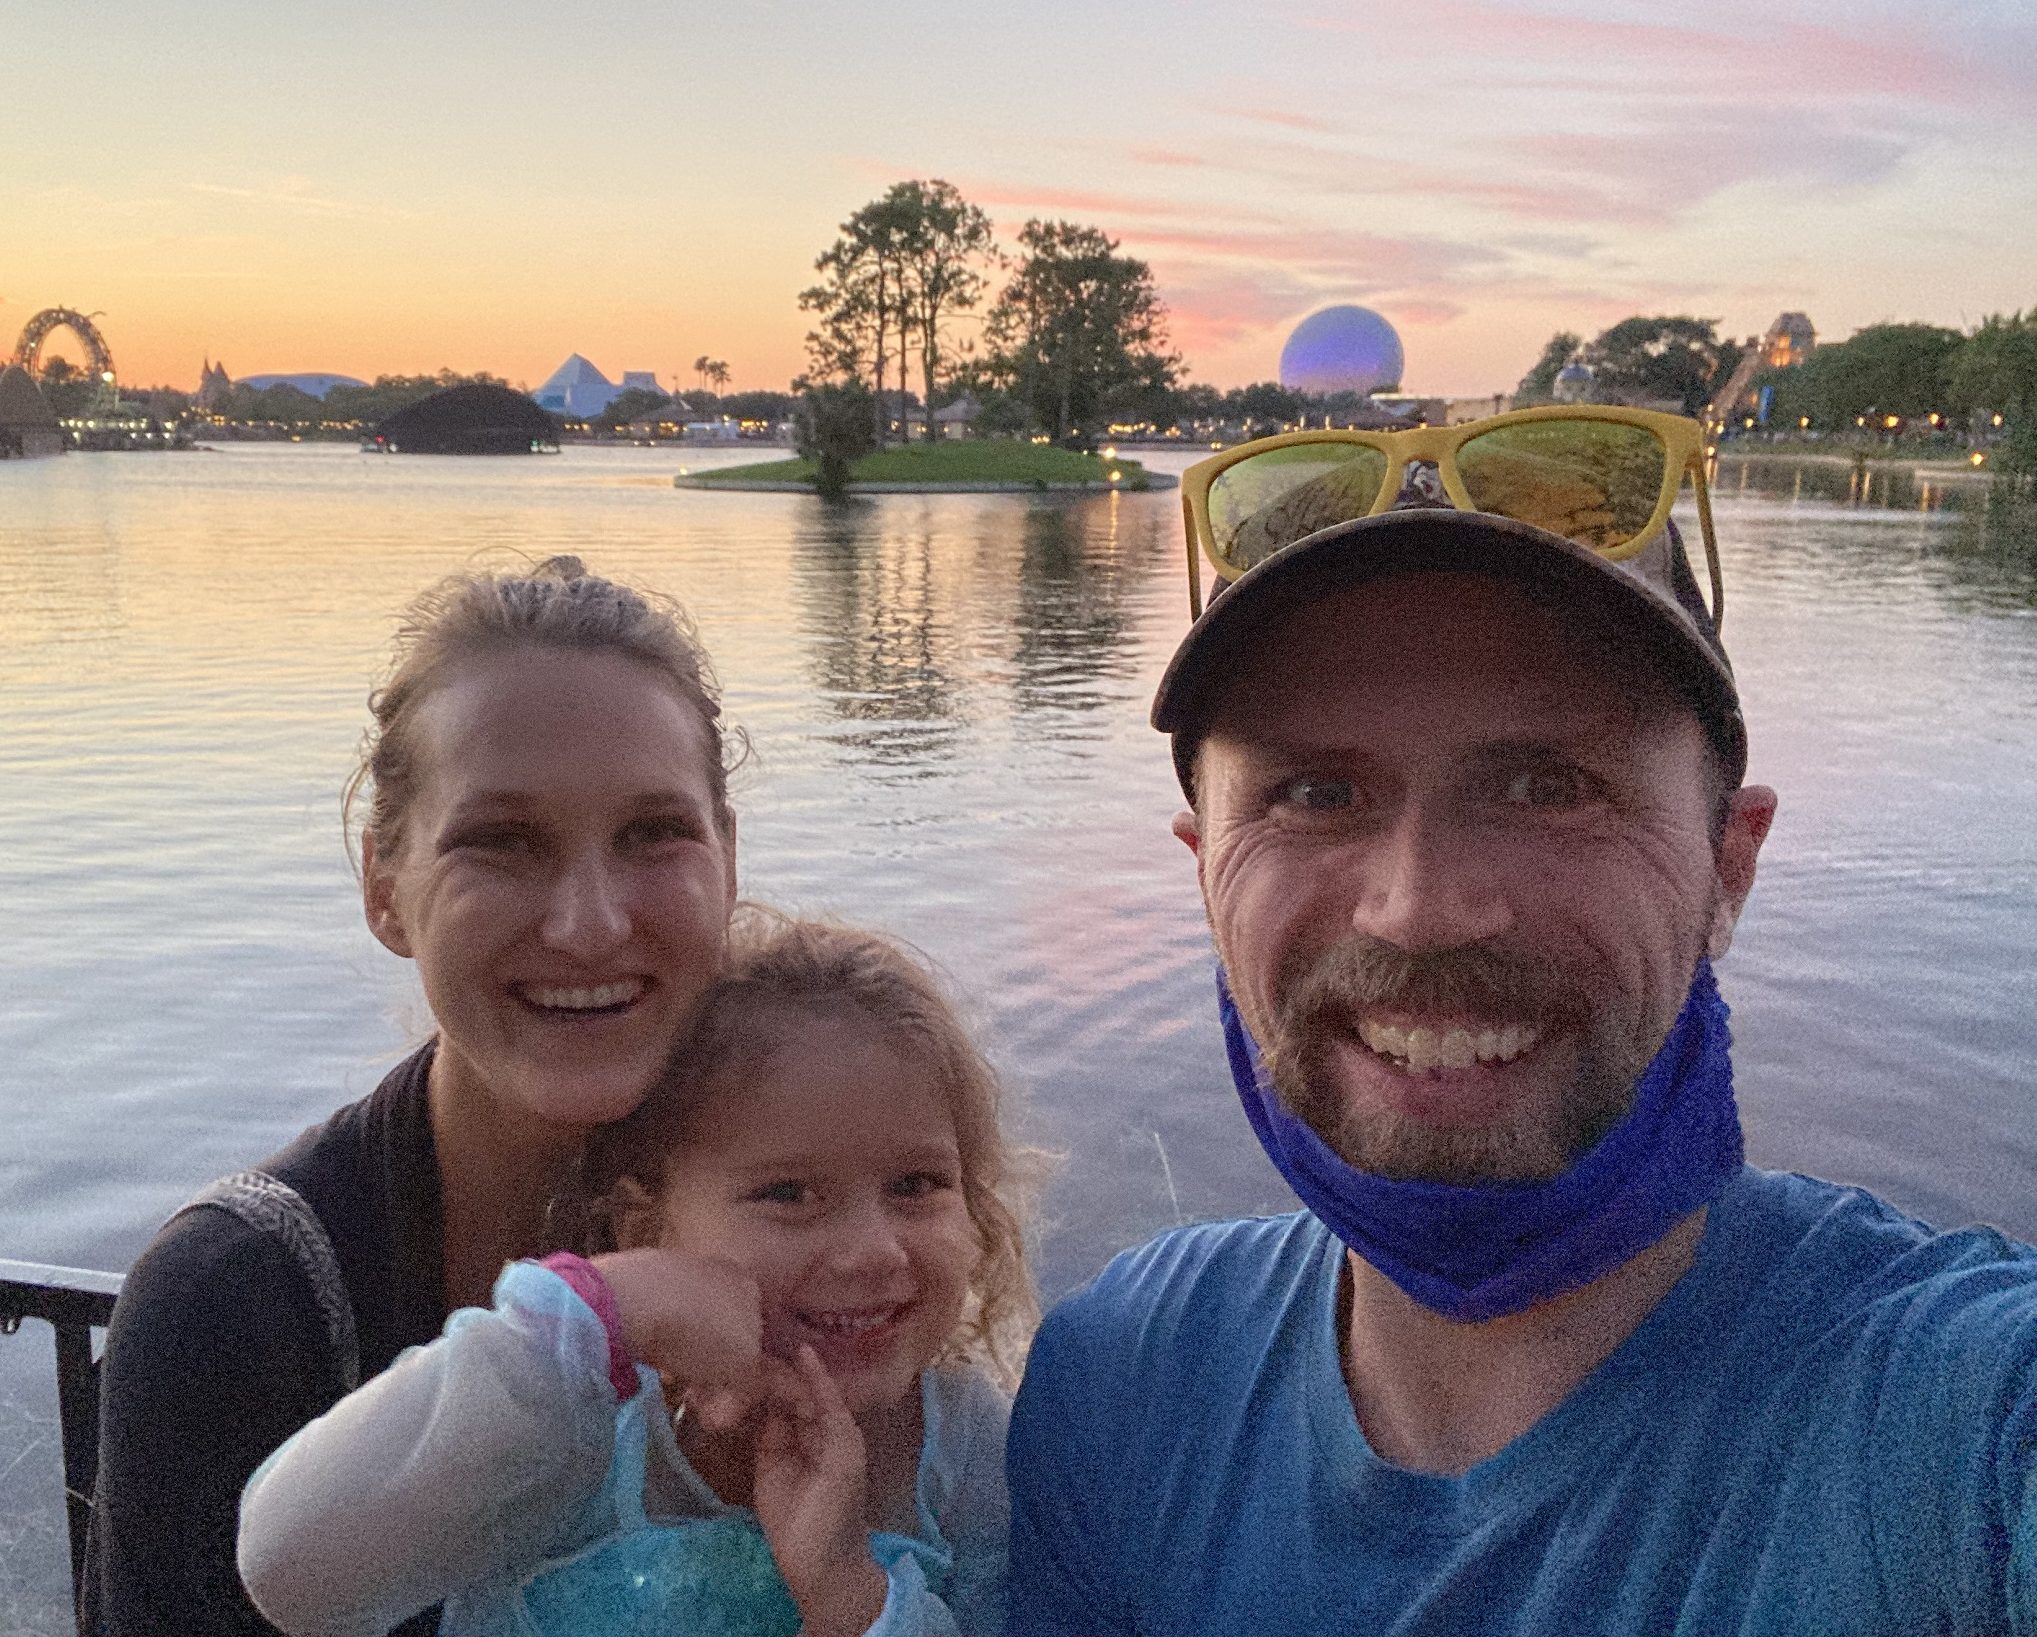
718,373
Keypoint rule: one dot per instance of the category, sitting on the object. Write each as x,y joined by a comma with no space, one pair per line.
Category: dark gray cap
1652,599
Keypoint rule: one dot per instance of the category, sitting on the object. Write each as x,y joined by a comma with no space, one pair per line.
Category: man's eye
1547,787
1314,794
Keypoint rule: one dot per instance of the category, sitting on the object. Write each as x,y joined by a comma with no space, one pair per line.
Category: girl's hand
809,1496
696,1320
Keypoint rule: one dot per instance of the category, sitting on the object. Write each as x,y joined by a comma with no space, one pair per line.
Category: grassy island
989,464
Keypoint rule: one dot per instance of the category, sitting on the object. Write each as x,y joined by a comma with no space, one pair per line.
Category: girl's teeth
849,1324
586,999
1424,1047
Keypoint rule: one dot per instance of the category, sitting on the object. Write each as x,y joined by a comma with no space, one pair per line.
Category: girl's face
832,1177
562,884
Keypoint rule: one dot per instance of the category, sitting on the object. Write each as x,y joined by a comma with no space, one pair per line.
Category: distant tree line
1661,359
1909,371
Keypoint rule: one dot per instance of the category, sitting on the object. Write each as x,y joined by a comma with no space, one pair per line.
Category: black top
217,1353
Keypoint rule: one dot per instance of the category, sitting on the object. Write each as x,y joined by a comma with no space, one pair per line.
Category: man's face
1460,871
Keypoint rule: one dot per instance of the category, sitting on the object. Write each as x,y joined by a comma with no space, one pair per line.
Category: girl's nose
867,1241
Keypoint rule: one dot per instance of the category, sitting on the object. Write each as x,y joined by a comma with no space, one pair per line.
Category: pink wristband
587,1283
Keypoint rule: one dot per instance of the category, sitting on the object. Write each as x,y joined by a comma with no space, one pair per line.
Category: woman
548,837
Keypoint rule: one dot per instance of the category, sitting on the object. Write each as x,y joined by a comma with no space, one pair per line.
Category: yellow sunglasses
1603,476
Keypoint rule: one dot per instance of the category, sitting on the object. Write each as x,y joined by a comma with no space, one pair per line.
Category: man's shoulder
1217,1277
1835,1268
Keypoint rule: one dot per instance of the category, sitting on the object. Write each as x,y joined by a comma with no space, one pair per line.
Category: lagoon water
946,700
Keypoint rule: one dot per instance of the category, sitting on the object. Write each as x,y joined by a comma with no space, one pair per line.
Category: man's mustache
1476,982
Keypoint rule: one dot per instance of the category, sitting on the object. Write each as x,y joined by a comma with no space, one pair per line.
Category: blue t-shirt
1829,1425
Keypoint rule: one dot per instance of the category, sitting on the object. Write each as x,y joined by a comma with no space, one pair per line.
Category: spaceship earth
1341,349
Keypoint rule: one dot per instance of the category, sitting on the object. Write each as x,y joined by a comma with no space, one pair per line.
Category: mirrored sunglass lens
1268,501
1595,482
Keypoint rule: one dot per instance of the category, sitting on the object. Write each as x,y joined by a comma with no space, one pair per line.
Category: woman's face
562,882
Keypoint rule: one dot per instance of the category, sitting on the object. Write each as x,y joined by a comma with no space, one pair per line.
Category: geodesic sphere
1341,349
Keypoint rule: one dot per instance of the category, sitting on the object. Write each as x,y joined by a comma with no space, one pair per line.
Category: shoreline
917,486
1931,468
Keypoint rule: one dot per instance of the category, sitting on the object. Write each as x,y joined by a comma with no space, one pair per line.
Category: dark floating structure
468,420
28,425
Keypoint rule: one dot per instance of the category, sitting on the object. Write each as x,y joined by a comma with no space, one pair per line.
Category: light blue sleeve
468,1458
964,1515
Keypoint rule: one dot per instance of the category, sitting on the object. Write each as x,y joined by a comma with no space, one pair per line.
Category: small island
965,466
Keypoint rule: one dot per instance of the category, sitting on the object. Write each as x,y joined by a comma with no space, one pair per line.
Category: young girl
764,1405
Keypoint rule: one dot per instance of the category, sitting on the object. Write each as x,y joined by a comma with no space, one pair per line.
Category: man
1542,1354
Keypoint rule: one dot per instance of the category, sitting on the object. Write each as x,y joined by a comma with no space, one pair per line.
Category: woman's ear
378,898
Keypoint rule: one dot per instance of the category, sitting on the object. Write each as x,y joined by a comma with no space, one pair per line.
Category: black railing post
74,1302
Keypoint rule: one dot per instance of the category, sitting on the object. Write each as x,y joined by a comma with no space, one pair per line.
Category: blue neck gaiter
1481,1252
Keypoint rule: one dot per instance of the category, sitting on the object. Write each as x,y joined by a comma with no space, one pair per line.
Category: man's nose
588,911
1419,889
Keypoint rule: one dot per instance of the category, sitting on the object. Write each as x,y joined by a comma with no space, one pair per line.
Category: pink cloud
1803,61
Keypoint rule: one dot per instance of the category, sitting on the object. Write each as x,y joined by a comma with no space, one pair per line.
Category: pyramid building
577,388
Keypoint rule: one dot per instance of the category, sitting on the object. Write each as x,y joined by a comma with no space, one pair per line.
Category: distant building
315,384
1790,340
959,417
213,386
28,425
578,389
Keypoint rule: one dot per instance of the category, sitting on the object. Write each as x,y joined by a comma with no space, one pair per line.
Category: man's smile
1419,1045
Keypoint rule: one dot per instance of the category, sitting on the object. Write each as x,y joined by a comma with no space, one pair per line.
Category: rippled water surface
946,696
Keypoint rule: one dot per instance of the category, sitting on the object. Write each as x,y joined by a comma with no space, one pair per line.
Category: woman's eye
1312,793
787,1192
493,838
658,828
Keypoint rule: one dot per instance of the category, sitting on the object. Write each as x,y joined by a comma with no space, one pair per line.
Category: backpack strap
273,1207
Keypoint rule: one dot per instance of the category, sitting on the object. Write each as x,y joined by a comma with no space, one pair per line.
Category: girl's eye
919,1184
787,1192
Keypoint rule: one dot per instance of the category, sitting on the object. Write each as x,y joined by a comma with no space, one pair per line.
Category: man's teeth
587,999
850,1324
1423,1047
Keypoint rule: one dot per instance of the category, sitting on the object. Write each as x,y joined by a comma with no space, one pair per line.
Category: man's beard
1319,1015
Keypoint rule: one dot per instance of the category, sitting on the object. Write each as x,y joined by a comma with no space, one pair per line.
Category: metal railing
73,1302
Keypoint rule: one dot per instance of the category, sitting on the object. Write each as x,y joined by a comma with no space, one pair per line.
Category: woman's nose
588,912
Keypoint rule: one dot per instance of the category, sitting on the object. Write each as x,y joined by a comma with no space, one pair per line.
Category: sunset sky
398,187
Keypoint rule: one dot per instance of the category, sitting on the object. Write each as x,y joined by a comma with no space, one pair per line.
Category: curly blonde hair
777,964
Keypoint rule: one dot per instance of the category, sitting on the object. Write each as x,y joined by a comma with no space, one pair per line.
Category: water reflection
880,637
1079,565
1967,539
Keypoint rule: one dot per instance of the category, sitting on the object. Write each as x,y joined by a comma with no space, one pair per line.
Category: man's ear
1188,831
1750,811
378,899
